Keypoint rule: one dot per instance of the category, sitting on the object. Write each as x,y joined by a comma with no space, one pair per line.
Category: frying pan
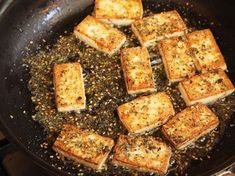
23,25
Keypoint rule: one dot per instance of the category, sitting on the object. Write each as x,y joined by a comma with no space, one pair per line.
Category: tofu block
152,29
189,125
99,35
205,51
144,154
118,12
69,87
83,147
206,88
178,63
146,112
137,70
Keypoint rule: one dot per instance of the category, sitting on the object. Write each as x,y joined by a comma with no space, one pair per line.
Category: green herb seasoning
105,91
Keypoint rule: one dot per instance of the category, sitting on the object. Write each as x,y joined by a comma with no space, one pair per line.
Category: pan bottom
105,91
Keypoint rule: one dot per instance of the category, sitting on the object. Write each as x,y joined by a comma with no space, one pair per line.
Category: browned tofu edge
147,128
115,18
96,44
195,136
206,100
133,165
82,105
222,63
143,88
89,163
162,51
146,43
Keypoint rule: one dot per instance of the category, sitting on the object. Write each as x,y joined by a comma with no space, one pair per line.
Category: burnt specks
103,79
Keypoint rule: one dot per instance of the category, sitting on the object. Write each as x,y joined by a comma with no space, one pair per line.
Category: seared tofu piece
178,62
69,87
205,50
206,88
157,27
99,35
137,70
118,12
189,125
83,147
146,112
142,153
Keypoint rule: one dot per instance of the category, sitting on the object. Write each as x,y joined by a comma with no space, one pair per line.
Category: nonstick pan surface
24,21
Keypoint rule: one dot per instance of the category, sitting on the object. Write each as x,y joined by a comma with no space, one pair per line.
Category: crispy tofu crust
99,35
178,62
206,88
146,112
83,147
157,27
144,154
69,87
205,50
189,125
137,70
118,12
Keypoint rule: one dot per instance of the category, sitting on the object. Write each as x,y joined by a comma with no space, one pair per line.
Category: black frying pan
23,21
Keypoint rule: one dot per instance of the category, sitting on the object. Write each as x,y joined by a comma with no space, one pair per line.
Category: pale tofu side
144,154
206,88
204,48
189,125
157,27
118,12
178,62
99,35
137,70
69,87
146,112
83,146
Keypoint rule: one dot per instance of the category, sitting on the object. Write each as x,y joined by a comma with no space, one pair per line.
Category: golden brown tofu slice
137,70
189,125
99,35
69,87
83,147
157,27
178,62
118,12
146,112
205,50
142,153
206,88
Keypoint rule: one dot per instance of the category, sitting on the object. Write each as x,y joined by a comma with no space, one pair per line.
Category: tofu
189,125
206,51
178,63
152,29
99,35
83,147
142,153
118,12
206,88
146,112
137,70
69,87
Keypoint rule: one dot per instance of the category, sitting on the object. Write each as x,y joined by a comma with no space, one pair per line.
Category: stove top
15,162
